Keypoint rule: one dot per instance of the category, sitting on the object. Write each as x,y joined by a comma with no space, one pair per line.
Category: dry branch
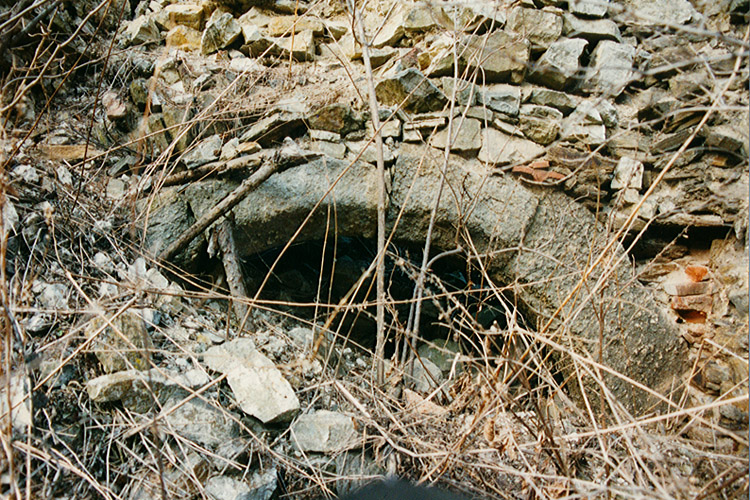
287,157
232,267
217,168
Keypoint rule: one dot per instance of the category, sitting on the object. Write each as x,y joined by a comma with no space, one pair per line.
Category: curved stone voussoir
639,341
269,216
492,211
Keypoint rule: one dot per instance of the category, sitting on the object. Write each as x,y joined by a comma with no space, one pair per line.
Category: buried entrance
462,315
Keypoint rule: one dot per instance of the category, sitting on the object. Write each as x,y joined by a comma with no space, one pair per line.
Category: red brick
696,273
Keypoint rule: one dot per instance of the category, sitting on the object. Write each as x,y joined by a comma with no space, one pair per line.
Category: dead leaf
69,152
417,403
536,174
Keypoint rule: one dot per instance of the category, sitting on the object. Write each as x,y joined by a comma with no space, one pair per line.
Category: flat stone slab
325,431
260,388
502,149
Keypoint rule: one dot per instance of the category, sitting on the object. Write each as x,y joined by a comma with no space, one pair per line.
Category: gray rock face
206,151
256,43
426,376
728,137
591,30
501,56
390,32
325,431
466,136
419,18
20,401
171,217
136,389
338,118
541,124
142,29
284,25
262,486
272,213
553,98
421,94
302,48
611,68
221,30
51,295
368,152
501,98
608,112
442,353
560,66
659,12
226,488
201,422
273,128
120,344
503,149
260,388
190,15
466,92
628,174
585,124
589,8
503,220
355,469
640,341
541,27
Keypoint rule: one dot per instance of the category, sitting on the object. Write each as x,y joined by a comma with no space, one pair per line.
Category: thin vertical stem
380,268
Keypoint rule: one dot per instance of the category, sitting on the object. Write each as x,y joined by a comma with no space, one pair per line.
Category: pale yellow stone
282,25
183,38
184,14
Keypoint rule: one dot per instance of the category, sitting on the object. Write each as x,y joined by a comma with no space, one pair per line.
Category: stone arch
541,241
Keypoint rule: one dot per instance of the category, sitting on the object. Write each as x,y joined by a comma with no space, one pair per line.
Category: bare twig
380,256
